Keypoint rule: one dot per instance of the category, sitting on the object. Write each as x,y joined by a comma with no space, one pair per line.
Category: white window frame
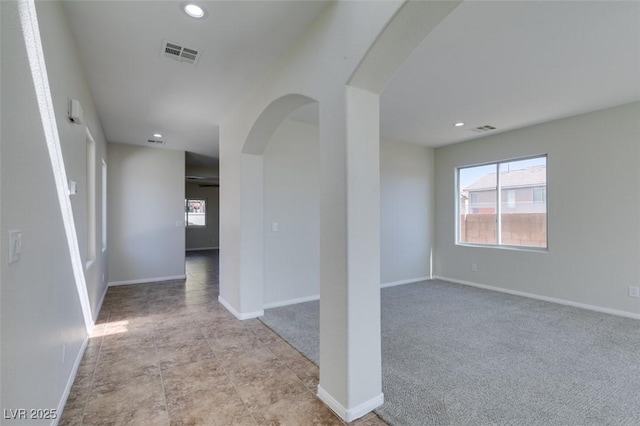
498,243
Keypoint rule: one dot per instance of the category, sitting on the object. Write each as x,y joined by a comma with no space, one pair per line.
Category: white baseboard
239,315
401,282
147,280
202,248
349,415
317,297
72,378
544,298
292,302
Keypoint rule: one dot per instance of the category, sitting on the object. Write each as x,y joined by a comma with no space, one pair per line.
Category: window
503,203
512,198
540,194
195,212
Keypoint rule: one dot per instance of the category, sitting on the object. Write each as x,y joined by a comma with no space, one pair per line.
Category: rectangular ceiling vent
485,128
180,53
155,141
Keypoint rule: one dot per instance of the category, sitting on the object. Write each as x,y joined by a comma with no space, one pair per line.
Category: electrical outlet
474,267
634,291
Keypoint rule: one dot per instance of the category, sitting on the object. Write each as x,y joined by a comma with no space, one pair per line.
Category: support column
350,341
241,230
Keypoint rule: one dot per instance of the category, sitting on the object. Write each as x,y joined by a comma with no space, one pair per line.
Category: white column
252,238
241,230
350,342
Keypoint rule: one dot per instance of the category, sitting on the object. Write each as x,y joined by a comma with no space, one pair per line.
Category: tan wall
518,229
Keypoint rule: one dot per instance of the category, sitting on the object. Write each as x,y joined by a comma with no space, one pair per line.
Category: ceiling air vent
155,141
180,53
485,128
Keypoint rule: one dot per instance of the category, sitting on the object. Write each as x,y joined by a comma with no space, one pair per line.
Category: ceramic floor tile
237,360
180,355
136,417
266,386
71,416
109,400
303,409
219,406
193,377
169,354
307,372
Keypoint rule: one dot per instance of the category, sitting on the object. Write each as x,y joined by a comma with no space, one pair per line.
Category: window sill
504,247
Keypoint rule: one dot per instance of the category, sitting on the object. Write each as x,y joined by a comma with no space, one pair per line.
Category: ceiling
511,64
504,64
139,92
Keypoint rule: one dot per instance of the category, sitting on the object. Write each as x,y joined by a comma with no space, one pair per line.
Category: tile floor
169,353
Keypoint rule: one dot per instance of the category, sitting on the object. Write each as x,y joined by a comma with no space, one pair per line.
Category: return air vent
180,53
485,128
155,141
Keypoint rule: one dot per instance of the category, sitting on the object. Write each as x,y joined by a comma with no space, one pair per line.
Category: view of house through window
504,203
195,212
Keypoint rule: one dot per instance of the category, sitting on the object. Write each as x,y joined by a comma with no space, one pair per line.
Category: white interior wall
146,214
68,81
406,212
207,237
41,314
593,200
292,200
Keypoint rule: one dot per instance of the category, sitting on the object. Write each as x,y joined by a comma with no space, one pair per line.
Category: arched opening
291,210
281,165
270,119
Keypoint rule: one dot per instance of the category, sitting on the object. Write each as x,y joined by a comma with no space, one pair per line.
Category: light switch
15,245
73,187
274,226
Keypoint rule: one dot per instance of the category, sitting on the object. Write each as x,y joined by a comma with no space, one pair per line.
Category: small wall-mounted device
75,111
73,188
15,245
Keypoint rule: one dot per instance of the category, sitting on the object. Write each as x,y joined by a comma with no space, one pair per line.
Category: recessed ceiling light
157,135
460,124
194,10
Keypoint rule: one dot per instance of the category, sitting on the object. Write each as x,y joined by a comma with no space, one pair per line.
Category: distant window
195,212
511,195
540,195
507,203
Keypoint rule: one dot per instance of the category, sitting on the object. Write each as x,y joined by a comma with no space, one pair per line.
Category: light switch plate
15,245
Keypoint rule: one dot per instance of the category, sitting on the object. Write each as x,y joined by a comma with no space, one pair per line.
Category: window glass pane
477,204
523,206
195,212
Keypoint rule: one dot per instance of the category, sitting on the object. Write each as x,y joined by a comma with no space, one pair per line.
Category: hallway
169,353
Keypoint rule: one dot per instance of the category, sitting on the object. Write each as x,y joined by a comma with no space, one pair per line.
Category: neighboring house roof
531,176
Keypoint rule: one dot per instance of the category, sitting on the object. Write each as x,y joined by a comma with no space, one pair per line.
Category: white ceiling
506,64
512,64
139,92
